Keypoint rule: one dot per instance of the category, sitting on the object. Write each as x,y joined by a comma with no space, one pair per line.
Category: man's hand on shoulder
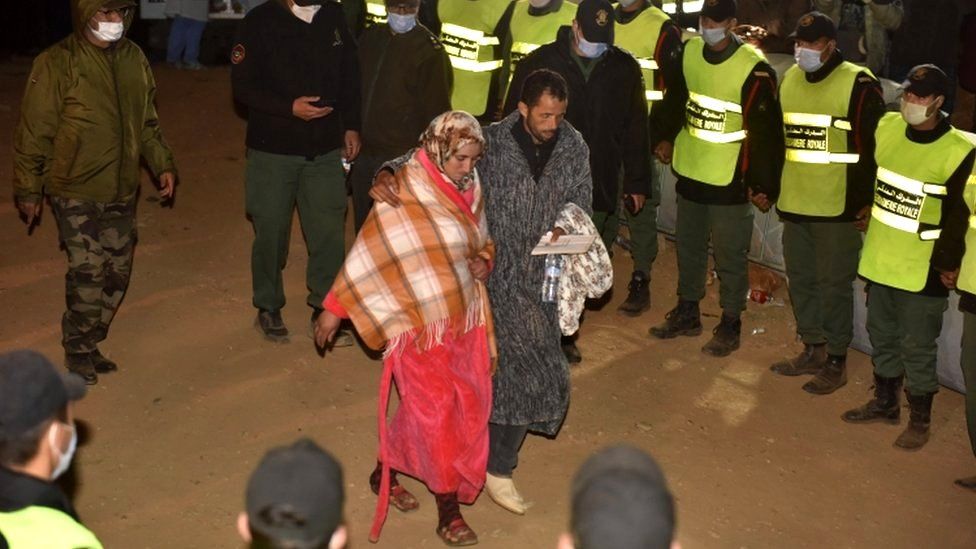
385,189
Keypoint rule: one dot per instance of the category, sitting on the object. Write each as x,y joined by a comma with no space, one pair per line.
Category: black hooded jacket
608,108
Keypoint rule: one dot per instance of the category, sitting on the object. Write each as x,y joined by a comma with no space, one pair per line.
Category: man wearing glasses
86,119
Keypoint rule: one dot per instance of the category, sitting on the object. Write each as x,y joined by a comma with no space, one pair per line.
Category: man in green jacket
86,119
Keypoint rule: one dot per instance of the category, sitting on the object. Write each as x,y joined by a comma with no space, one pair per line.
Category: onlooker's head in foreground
294,500
37,430
620,500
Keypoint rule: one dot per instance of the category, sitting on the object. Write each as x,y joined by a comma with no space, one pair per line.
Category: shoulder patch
237,54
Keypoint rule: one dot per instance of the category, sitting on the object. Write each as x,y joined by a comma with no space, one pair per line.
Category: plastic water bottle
550,282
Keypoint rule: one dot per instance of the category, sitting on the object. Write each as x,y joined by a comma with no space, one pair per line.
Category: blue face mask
808,60
713,36
591,50
401,24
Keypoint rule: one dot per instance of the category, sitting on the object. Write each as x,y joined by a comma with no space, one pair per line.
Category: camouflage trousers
98,239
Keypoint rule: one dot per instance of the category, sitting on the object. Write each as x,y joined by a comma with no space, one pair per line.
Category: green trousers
821,263
730,230
99,240
607,225
969,373
274,184
903,328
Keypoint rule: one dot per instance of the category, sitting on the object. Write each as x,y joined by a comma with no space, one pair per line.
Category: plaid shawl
406,278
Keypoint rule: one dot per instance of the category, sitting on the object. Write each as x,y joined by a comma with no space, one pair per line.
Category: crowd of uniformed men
887,196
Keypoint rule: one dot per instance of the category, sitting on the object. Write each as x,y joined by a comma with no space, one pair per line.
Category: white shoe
502,491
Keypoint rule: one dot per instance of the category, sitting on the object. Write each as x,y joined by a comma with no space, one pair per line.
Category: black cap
32,391
595,20
926,80
296,494
621,500
814,26
718,10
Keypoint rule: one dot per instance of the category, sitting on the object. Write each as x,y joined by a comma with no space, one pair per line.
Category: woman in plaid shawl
413,283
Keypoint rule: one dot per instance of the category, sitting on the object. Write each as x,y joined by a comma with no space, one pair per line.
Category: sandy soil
753,460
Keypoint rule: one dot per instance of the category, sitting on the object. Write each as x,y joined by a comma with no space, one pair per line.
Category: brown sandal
400,498
457,533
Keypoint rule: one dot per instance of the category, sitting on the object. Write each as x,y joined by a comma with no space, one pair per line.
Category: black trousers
504,442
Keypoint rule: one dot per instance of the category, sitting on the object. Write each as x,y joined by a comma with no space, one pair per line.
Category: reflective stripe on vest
898,202
688,6
375,14
463,45
807,138
707,119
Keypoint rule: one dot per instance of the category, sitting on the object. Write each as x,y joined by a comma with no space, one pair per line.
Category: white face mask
108,31
713,36
401,24
808,60
627,3
915,114
64,460
305,13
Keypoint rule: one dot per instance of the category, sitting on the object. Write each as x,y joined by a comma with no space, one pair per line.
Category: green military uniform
87,118
43,527
827,179
468,32
642,34
707,155
906,301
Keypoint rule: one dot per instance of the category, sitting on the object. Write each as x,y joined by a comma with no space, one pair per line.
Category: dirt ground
171,438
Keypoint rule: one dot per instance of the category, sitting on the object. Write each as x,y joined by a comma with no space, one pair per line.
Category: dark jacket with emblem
279,58
610,110
406,82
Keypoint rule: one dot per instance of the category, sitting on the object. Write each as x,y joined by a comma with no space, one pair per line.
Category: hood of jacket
83,10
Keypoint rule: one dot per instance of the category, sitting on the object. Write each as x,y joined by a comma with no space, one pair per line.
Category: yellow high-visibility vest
466,34
907,213
640,37
707,148
816,128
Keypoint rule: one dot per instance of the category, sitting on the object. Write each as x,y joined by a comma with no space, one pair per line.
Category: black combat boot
81,364
102,364
917,433
272,326
810,360
683,320
884,405
831,377
725,336
638,295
